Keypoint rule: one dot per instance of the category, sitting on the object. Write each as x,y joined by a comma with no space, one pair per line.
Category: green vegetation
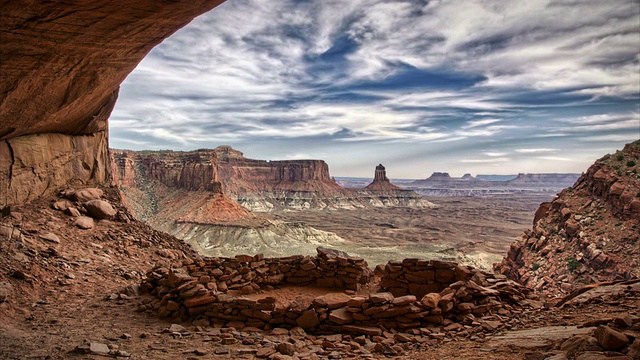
535,266
572,263
620,157
631,163
619,224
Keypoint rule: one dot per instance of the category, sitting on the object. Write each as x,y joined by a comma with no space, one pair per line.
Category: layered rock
380,181
62,65
588,233
256,184
381,192
37,165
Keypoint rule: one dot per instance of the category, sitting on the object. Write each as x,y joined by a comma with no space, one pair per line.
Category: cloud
481,75
534,151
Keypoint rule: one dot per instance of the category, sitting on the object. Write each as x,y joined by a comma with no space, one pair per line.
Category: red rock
341,316
100,209
431,300
199,300
365,330
332,300
84,222
445,275
308,319
403,300
610,339
84,195
381,298
616,189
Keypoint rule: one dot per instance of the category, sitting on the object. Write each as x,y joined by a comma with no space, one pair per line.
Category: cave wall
61,65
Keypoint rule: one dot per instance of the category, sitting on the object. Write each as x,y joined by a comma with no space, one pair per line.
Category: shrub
572,263
620,157
535,266
631,163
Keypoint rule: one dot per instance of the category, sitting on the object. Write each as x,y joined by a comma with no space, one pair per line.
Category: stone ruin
412,294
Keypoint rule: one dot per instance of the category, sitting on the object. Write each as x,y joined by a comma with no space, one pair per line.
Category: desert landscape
182,248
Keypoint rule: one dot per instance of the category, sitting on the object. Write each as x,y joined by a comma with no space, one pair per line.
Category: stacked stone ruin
414,294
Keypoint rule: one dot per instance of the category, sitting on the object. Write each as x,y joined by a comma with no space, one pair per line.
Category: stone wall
420,277
211,291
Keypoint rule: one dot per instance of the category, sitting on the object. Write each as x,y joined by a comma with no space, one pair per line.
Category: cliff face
589,233
62,64
256,184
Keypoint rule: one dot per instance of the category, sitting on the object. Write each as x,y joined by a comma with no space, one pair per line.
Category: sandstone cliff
62,65
589,233
258,185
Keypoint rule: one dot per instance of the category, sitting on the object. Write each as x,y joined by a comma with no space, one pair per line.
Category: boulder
100,209
610,339
84,195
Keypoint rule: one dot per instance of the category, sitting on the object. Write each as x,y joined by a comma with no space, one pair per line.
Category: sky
472,86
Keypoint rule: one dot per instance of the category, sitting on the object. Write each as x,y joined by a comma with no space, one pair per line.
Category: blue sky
480,86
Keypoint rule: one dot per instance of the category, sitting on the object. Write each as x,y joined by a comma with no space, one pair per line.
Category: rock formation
380,180
589,233
442,184
256,184
62,65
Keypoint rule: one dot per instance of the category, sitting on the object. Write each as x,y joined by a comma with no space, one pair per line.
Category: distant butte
380,180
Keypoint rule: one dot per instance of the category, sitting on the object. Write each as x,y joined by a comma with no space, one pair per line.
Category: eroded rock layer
36,165
62,65
256,184
589,233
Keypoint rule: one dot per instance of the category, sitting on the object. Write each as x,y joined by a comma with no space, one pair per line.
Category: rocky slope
72,293
589,233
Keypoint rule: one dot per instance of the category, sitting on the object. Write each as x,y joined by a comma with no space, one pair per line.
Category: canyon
223,203
76,262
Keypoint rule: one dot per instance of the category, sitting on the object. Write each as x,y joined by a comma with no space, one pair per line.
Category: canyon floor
473,230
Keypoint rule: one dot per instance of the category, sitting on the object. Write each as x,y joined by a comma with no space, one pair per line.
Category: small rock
176,328
84,222
279,331
200,352
265,352
61,205
119,353
221,350
286,348
50,237
381,298
623,321
93,348
73,211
